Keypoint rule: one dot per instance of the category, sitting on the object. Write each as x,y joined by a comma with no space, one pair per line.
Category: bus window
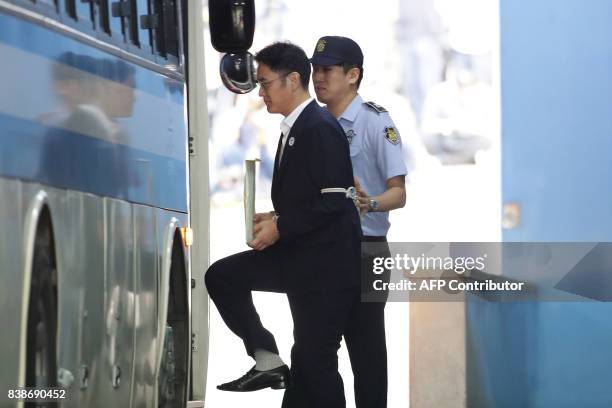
156,22
169,17
144,34
70,6
164,21
120,10
50,3
103,17
131,19
84,12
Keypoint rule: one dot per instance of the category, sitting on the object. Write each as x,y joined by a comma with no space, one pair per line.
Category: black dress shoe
253,380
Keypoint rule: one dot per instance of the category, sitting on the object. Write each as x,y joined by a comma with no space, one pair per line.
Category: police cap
334,50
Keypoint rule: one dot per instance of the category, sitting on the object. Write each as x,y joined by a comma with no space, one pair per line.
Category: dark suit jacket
320,234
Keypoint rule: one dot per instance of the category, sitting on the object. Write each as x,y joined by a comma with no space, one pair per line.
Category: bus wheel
41,361
172,387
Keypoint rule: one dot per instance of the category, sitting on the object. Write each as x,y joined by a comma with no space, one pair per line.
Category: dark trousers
319,320
365,339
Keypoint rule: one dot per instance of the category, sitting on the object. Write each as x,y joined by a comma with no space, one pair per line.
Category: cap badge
321,45
391,135
291,141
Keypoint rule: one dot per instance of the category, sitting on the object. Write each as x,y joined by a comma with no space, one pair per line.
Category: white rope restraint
350,192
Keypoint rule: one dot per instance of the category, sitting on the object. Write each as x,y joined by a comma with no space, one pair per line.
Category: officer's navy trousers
365,334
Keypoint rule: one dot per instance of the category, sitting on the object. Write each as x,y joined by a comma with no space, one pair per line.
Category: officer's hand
364,205
265,233
262,217
362,197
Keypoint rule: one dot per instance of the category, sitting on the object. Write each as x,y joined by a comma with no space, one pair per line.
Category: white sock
266,360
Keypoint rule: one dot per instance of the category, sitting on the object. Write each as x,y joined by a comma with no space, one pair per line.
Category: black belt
372,238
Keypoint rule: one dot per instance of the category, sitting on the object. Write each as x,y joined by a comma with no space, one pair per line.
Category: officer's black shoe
253,380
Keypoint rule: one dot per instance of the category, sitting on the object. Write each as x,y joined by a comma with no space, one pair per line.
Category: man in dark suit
309,247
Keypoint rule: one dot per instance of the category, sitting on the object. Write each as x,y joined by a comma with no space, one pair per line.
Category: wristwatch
373,204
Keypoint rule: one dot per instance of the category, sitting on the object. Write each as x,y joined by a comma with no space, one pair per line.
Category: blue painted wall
556,62
556,66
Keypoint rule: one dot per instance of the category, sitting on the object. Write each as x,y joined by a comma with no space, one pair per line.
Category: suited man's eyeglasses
265,85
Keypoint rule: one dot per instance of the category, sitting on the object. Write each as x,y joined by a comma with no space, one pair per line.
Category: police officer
378,166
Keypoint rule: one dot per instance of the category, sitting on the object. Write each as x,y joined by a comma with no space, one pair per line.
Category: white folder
250,178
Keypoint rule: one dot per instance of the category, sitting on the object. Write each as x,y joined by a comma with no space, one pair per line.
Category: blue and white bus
103,185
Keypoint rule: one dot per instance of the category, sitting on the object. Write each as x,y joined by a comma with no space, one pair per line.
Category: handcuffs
350,192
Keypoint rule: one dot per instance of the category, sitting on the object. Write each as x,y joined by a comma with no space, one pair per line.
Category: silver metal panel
69,229
88,230
109,260
146,342
199,197
76,250
78,224
11,289
167,223
119,304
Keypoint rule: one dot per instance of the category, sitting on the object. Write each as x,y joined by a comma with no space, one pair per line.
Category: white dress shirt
288,122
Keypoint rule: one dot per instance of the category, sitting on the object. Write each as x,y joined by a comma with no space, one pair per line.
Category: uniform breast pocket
355,149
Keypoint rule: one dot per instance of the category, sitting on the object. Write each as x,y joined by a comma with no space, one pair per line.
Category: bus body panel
79,249
12,289
148,269
105,140
120,271
76,117
108,298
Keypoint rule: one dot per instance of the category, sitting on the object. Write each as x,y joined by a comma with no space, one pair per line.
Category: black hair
71,66
77,67
123,72
347,66
285,58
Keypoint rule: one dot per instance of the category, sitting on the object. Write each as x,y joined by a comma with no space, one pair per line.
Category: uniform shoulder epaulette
376,107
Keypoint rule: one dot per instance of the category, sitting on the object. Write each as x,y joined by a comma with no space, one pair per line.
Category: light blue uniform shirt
376,155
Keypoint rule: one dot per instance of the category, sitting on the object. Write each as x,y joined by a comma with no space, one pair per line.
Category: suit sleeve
328,166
